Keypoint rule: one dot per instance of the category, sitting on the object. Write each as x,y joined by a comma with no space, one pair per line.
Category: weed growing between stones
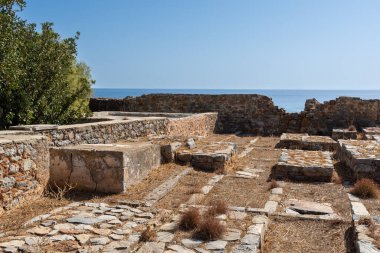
190,219
365,188
335,178
273,184
148,235
217,207
58,192
209,229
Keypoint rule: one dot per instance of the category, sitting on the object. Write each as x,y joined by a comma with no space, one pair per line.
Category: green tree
40,78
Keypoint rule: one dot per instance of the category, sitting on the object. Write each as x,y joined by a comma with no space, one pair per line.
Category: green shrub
40,78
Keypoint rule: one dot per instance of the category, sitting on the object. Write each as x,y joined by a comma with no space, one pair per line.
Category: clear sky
222,44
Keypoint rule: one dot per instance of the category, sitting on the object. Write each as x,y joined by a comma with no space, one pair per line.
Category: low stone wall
196,125
255,114
24,162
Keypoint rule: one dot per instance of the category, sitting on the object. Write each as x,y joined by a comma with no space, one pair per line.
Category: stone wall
196,125
247,113
255,114
23,168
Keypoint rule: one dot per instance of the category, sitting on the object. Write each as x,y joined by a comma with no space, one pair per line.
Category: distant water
290,100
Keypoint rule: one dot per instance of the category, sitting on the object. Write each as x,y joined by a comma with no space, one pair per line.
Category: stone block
304,166
210,157
102,167
306,142
362,157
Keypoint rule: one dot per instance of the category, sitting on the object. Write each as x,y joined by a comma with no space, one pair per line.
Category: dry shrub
351,128
273,184
365,188
335,178
190,219
58,192
365,221
209,229
148,235
193,190
217,207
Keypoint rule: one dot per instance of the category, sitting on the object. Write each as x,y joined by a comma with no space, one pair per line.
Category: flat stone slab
306,142
210,157
362,157
304,165
107,168
308,207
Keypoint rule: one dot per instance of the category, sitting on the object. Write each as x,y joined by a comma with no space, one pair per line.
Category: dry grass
374,230
273,184
217,207
148,235
365,188
209,229
190,219
298,236
335,178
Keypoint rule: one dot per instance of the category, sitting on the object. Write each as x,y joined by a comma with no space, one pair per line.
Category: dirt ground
300,236
319,192
187,185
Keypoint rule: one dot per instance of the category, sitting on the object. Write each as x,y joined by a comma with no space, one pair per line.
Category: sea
290,100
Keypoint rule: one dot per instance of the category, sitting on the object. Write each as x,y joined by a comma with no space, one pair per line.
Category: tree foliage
40,78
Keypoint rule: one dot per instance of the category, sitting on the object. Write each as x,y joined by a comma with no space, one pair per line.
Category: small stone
169,226
180,249
130,224
116,237
278,191
84,220
152,247
201,250
237,215
164,237
48,223
106,217
106,225
190,143
256,229
232,235
62,238
82,238
63,226
270,206
100,231
145,215
122,231
244,248
99,240
116,221
216,245
40,230
118,246
33,240
191,243
13,243
251,239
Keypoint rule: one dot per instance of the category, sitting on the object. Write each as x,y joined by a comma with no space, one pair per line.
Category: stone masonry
306,142
362,157
303,165
23,168
107,168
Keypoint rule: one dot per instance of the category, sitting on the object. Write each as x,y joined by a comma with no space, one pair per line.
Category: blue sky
222,44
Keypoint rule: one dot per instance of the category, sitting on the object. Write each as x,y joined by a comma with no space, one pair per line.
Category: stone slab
306,142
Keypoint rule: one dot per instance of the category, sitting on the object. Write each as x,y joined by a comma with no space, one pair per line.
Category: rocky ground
263,215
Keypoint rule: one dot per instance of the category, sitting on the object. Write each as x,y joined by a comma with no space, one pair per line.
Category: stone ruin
115,151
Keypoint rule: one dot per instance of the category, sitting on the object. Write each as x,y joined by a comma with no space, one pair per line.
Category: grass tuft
335,178
148,235
351,128
273,184
190,219
209,229
217,207
365,188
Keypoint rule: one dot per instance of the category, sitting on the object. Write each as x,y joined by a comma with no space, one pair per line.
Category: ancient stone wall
24,170
254,113
201,124
248,113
